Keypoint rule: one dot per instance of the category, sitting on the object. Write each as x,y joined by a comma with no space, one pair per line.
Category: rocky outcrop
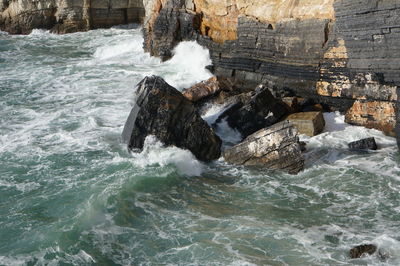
276,147
373,114
64,16
249,114
162,111
335,51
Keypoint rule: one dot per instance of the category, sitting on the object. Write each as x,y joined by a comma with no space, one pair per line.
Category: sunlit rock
308,123
276,147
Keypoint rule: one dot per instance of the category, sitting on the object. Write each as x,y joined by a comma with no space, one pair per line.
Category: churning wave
71,193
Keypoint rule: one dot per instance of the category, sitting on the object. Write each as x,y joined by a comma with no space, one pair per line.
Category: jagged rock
363,144
335,52
162,111
276,147
308,123
202,90
258,111
360,250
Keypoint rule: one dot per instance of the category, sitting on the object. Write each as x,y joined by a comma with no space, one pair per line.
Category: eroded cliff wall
344,53
63,16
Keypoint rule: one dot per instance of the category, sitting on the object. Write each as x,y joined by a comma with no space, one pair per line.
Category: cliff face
63,16
343,53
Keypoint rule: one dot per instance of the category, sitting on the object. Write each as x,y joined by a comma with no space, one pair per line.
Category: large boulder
308,123
162,111
276,147
253,113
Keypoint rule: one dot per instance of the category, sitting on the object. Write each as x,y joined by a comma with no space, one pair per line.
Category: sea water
71,193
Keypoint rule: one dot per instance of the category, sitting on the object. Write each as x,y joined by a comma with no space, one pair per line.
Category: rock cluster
340,53
162,111
21,16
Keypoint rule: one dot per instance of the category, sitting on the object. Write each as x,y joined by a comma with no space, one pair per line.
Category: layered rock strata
276,147
64,16
337,52
162,111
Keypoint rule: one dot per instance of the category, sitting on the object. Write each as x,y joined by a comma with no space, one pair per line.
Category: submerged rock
360,250
276,147
308,123
162,111
363,144
260,110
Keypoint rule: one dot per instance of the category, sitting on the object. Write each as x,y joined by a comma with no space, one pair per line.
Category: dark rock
261,110
303,146
162,111
276,147
360,250
350,53
363,144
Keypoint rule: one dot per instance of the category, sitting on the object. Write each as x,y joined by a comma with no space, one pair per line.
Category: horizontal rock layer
333,51
276,147
63,16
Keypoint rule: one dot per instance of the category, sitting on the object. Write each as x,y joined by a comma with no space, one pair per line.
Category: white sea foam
154,152
228,135
187,66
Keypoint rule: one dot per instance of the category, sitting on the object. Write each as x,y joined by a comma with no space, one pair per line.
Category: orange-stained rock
373,114
202,90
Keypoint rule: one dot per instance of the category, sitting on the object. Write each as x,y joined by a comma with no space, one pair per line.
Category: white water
71,193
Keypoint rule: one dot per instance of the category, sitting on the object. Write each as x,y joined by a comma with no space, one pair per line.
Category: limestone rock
258,111
276,147
202,90
373,114
162,111
334,52
363,144
308,123
358,251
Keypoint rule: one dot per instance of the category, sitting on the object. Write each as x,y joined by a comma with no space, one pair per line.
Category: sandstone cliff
343,53
63,16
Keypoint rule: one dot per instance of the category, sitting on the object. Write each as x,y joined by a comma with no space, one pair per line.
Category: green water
70,193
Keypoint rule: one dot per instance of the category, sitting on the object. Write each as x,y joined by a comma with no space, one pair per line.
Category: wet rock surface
259,110
334,52
276,147
162,111
363,144
359,251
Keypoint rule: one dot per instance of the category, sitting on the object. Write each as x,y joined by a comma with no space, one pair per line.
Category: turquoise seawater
71,194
